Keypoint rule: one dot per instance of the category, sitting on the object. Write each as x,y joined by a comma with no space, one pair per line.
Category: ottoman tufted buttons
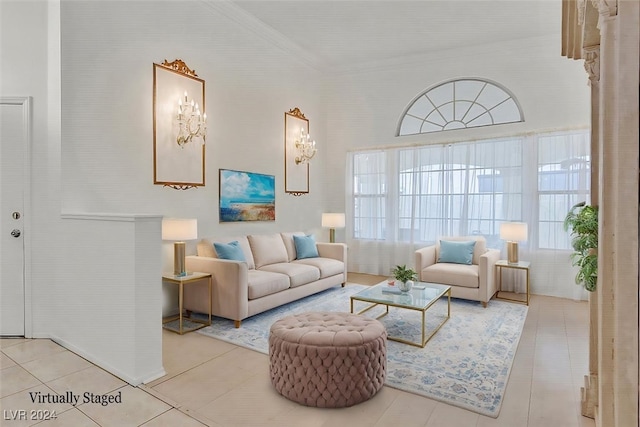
327,359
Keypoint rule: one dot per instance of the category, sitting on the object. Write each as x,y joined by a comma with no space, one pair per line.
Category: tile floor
215,383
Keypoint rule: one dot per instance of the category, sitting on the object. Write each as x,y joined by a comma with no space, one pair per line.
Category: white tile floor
215,383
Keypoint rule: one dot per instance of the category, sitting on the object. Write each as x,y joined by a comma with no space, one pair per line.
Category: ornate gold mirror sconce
299,149
179,126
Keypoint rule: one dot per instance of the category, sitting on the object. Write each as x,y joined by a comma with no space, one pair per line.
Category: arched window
459,104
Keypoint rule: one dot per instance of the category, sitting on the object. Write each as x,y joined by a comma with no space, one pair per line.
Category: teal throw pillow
231,250
305,246
456,252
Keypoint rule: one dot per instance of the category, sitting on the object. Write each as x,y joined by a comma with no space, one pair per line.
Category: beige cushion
206,248
478,250
467,276
262,283
267,249
328,267
299,274
287,238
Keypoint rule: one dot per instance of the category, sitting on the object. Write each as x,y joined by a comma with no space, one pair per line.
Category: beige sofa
271,275
473,282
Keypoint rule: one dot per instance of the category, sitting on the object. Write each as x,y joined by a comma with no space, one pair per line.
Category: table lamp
179,230
513,232
333,221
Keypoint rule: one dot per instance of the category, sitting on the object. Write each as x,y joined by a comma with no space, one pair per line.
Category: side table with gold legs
181,281
512,296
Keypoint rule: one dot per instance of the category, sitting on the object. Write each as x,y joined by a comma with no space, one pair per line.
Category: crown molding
248,21
513,46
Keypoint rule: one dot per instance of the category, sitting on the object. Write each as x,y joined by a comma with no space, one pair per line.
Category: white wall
110,304
365,104
108,53
76,292
30,67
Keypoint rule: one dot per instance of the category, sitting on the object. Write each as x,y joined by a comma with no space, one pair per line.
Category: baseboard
134,381
589,396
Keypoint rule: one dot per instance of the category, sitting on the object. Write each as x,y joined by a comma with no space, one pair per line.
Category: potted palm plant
582,221
405,277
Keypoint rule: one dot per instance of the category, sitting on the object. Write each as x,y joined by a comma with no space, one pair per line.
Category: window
458,104
563,180
369,195
418,194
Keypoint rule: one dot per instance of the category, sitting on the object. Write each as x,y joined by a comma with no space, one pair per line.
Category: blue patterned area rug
466,363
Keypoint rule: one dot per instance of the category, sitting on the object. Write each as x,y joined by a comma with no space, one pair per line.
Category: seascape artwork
246,196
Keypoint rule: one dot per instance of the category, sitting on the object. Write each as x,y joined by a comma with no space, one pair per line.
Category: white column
618,243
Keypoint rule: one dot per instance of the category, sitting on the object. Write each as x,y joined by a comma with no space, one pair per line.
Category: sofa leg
484,304
343,285
237,323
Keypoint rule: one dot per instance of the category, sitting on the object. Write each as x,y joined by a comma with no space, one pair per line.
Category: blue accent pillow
456,252
305,246
231,250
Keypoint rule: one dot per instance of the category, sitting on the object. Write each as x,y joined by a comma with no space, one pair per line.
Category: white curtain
405,198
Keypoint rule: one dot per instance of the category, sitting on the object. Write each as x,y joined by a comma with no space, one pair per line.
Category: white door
14,141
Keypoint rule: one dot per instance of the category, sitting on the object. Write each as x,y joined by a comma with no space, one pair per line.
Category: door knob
15,232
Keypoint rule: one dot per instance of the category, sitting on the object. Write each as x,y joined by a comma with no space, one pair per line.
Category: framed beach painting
247,196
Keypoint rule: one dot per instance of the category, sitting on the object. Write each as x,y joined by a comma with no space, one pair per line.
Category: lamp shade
333,220
178,229
514,231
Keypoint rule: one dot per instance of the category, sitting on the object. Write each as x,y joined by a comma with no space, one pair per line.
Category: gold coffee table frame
375,296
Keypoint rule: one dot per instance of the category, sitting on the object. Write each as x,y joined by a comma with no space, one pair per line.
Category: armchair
475,281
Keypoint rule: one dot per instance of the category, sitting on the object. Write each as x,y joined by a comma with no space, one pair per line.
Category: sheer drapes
404,198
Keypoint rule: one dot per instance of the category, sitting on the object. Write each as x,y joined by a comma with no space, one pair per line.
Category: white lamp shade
178,229
514,231
333,220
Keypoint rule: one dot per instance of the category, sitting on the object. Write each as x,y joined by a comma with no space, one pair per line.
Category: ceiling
341,33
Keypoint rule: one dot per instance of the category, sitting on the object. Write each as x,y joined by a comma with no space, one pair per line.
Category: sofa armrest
333,250
230,290
337,251
487,269
424,258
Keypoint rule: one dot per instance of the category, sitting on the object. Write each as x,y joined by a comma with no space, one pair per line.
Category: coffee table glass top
417,299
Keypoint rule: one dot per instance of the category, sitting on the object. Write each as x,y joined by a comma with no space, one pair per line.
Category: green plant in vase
405,277
582,221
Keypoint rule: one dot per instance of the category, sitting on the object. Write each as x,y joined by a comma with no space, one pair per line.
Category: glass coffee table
419,298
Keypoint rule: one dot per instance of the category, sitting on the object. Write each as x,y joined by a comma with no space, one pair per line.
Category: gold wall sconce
299,149
306,148
179,126
191,123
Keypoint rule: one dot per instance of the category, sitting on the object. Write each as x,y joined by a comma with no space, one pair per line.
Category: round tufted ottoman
328,360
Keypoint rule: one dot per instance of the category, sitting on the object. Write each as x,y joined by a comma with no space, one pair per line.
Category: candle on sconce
191,121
